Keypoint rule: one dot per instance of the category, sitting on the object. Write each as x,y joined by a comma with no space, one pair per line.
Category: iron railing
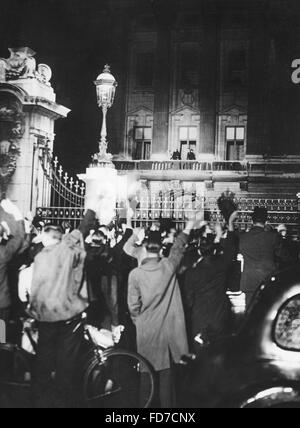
150,210
59,189
252,167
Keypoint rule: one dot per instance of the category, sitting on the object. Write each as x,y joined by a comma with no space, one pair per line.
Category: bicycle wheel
119,379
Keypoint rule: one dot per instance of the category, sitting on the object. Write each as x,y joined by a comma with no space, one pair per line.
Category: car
259,366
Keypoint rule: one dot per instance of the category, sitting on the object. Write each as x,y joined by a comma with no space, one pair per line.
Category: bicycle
112,377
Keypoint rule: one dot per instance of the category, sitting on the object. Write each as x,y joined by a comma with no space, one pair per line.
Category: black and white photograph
149,206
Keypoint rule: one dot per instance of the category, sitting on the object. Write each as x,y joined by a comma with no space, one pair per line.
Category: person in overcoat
260,248
155,304
205,286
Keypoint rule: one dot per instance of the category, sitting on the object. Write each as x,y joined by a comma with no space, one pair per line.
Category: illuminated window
287,327
235,142
188,140
143,142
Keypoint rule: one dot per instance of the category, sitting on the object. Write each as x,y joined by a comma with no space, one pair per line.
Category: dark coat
260,249
205,290
155,304
104,280
7,252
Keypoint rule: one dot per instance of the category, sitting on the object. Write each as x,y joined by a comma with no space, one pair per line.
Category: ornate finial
44,74
77,186
106,69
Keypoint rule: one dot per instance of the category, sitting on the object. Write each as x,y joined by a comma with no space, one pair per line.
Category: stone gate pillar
28,111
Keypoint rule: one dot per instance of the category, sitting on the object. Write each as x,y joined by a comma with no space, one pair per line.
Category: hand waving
12,209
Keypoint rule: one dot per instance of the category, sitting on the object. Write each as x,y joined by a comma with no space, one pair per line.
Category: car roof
257,329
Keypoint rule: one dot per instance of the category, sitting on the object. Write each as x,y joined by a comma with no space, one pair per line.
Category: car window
287,327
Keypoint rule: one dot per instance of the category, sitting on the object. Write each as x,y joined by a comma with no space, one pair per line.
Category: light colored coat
155,304
59,289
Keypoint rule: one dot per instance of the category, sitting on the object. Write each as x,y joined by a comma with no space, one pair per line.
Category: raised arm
130,246
177,251
93,205
134,297
87,223
230,244
18,237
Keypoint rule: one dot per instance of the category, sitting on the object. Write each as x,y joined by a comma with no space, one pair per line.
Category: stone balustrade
149,165
250,168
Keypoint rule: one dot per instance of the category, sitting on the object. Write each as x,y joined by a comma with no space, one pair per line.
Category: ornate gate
62,196
63,200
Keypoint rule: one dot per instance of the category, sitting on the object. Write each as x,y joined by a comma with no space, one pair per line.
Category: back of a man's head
99,239
154,243
260,215
52,235
207,245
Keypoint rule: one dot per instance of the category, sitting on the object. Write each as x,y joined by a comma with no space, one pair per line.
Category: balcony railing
257,167
148,165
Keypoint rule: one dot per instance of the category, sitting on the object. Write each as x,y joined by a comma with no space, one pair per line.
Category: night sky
73,37
68,36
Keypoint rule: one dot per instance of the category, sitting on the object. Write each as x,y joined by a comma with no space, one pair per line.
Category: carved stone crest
22,65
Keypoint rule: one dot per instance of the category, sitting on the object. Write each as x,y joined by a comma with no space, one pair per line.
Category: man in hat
260,248
156,308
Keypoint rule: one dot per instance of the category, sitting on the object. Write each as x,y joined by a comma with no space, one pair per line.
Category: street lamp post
101,177
106,86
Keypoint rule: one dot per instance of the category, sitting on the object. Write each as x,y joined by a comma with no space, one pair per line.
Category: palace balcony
218,170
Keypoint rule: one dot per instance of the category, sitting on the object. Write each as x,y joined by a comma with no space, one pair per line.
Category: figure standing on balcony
176,155
191,155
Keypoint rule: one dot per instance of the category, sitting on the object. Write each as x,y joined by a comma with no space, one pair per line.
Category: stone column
208,86
162,95
119,48
165,15
258,139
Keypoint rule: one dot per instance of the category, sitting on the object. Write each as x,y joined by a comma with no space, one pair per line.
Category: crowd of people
168,288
